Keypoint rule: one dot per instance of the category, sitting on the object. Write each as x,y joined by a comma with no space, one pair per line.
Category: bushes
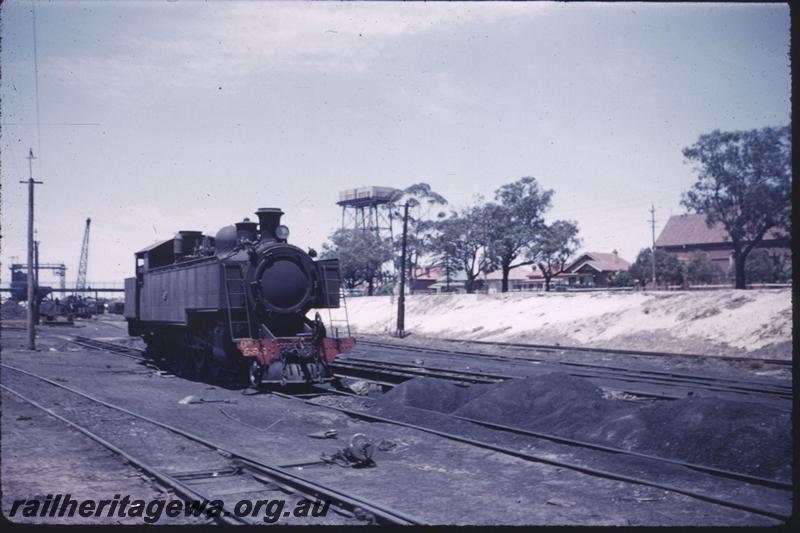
762,266
702,270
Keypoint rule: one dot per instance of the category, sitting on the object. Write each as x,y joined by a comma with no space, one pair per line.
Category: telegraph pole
36,280
401,300
31,295
653,227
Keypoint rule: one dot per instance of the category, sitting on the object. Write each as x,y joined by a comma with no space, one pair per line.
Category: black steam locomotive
235,306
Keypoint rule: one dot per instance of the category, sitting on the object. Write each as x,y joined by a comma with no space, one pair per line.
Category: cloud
187,44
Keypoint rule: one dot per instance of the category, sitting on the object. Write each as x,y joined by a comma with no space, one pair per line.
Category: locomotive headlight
282,232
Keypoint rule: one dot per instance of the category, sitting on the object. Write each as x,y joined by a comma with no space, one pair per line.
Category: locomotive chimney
269,218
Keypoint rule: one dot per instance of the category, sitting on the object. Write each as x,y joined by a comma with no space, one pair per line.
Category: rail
774,510
382,513
665,380
784,488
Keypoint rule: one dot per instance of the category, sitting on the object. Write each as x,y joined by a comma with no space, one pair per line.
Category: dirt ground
443,481
41,456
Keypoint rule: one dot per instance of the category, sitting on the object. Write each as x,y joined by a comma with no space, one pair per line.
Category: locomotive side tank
236,305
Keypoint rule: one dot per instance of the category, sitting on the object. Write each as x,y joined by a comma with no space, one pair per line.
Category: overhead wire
36,87
622,201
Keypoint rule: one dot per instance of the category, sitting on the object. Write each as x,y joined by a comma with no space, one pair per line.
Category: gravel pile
554,403
735,435
11,310
432,394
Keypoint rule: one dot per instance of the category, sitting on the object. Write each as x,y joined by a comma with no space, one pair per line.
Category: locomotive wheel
198,363
154,348
184,364
227,373
192,364
255,371
193,357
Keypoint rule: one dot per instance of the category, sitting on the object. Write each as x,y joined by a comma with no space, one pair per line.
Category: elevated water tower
369,208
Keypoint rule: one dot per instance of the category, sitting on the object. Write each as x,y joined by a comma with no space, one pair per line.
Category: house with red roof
593,269
589,269
422,278
686,235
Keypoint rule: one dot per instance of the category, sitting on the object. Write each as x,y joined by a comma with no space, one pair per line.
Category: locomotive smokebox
269,218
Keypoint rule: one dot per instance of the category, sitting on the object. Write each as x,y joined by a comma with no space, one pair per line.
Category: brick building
686,235
593,269
589,269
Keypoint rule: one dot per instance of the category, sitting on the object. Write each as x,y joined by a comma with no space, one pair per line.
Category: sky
161,116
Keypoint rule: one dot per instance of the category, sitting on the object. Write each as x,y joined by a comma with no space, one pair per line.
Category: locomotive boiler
236,306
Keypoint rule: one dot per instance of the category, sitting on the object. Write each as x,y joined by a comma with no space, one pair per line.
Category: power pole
653,227
31,295
447,268
36,280
401,300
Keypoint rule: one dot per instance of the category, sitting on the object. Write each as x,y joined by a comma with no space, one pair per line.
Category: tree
765,267
623,278
668,269
701,269
555,244
515,224
450,267
744,183
361,256
422,214
462,238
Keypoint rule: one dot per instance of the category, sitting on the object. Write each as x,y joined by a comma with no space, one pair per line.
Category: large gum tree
744,181
517,221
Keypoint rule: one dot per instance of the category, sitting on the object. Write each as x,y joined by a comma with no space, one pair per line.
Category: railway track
661,385
613,351
383,373
126,351
663,381
392,373
777,506
166,480
742,483
244,473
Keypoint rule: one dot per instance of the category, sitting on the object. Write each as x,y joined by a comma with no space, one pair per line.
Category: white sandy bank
725,322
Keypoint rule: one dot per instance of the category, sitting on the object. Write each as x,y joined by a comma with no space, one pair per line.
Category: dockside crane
82,265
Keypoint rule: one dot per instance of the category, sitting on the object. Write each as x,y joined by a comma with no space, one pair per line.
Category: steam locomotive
234,306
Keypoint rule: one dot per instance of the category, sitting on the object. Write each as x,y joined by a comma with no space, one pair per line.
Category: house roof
692,229
428,273
519,273
458,275
537,275
599,261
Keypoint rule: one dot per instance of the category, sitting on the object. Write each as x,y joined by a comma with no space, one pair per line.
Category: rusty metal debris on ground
357,454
